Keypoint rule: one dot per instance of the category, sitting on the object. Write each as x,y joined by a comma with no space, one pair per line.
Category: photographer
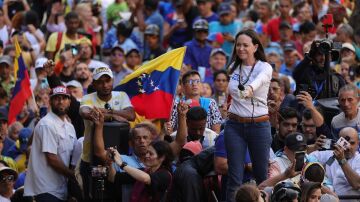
345,171
311,74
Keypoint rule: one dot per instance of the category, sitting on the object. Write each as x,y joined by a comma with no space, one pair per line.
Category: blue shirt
196,55
232,28
211,18
286,71
127,45
111,39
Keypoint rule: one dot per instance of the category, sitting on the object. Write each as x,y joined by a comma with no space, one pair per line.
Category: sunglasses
9,178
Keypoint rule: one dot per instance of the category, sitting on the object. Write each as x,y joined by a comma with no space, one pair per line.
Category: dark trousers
238,137
46,197
85,172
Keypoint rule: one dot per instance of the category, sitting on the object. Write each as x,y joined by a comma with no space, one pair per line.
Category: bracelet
342,162
123,165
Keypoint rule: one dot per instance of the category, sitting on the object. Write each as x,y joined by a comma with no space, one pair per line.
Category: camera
325,46
99,172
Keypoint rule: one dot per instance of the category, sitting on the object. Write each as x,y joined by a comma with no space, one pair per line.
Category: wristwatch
342,162
123,165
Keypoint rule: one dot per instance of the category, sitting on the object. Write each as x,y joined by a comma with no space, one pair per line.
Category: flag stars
139,83
142,90
156,88
152,83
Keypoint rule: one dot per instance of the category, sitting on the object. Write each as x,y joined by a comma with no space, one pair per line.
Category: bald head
352,136
349,131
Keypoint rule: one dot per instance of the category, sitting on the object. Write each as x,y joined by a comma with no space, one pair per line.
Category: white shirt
4,35
260,81
335,173
209,138
55,136
3,199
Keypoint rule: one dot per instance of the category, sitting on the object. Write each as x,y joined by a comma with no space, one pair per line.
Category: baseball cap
295,141
218,37
216,51
85,40
348,46
193,146
39,63
98,72
285,24
289,47
200,24
6,59
73,83
152,29
24,136
9,170
59,90
224,8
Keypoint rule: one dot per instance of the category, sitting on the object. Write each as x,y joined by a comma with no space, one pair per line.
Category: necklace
241,84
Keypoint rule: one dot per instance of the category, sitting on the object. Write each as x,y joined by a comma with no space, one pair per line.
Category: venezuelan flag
21,91
151,88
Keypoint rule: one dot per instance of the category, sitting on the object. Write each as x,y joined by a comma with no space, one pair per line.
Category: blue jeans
238,137
46,197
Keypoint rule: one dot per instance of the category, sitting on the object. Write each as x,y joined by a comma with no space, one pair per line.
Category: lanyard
318,88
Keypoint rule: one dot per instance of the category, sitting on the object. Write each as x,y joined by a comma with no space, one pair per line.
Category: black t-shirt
277,143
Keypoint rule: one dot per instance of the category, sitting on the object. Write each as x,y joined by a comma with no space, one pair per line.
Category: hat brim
10,170
97,76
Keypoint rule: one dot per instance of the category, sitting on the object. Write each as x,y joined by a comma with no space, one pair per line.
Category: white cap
73,83
348,46
9,170
98,72
39,63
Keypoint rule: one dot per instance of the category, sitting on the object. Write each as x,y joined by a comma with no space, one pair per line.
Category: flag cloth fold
151,88
22,90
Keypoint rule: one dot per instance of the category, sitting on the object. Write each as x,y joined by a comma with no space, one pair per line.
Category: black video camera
325,46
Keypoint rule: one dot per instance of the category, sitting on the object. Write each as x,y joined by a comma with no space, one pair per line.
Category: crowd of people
266,107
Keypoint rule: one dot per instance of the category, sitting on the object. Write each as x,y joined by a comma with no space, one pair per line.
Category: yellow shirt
52,41
119,101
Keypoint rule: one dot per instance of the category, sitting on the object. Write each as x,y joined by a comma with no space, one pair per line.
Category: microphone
241,87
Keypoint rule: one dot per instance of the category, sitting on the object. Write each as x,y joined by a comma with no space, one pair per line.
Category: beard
59,112
82,79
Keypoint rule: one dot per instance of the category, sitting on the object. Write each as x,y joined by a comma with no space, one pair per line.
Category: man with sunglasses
8,177
198,51
345,171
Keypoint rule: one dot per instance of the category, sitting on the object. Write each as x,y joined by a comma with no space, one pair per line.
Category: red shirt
273,28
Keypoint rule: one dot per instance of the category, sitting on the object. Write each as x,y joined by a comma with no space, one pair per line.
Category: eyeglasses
191,82
107,106
8,178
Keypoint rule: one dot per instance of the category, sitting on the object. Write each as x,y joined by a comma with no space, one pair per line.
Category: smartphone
328,144
273,67
299,157
342,142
